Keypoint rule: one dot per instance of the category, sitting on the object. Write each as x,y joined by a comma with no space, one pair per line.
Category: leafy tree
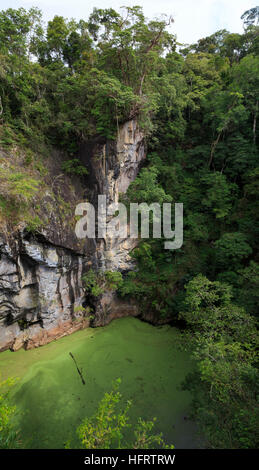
146,188
106,429
225,383
218,194
231,248
15,29
97,283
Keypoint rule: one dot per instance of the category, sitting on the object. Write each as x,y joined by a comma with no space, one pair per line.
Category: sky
194,19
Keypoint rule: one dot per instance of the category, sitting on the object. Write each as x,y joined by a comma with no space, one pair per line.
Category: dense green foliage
225,340
199,109
74,80
97,283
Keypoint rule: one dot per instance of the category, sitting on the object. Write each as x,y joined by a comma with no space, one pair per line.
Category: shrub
74,167
105,430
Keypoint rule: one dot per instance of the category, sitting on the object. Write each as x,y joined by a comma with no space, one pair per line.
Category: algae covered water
52,400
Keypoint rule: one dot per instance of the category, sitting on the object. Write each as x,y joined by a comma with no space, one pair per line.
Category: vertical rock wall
41,292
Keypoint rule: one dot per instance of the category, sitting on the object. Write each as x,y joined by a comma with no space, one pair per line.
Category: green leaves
218,195
232,248
145,188
15,26
74,167
224,340
106,429
97,283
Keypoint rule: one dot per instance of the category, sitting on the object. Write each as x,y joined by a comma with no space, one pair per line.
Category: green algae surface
52,400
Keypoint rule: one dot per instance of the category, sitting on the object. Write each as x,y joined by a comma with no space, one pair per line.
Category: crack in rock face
41,293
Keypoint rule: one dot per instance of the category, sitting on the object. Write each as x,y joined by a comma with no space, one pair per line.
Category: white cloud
193,18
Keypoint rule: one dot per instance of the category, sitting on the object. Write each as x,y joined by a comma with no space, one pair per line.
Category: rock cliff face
112,167
40,286
41,292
